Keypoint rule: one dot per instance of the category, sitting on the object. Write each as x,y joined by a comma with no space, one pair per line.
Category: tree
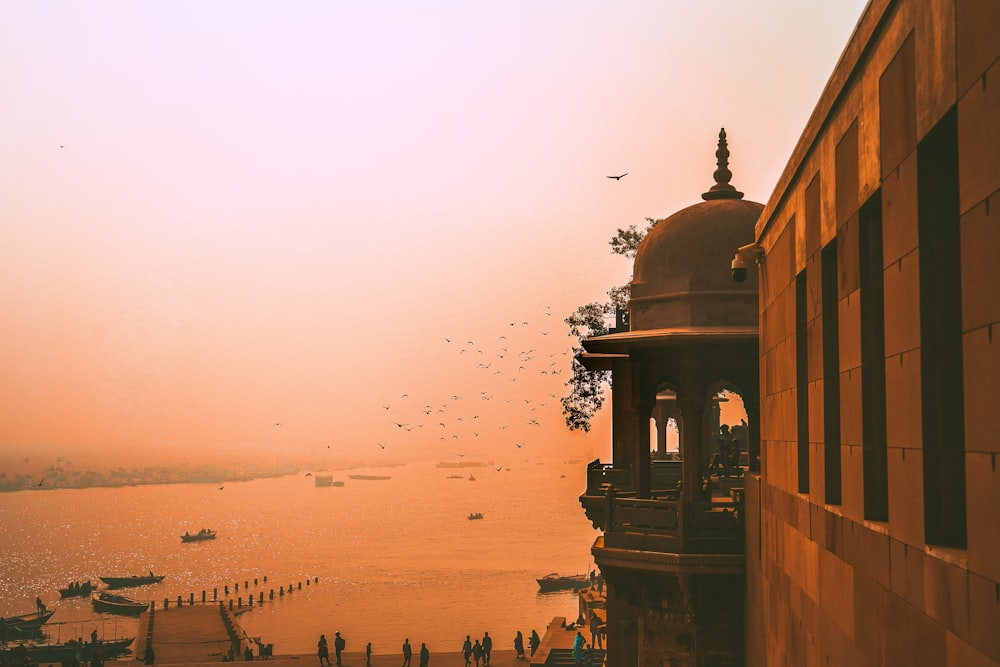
586,388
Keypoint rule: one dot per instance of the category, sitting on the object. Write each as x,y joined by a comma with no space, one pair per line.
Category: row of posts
239,600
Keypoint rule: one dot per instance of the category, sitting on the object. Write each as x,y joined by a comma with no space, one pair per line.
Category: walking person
322,650
425,655
407,652
368,654
487,648
477,652
467,651
578,643
519,645
534,641
339,644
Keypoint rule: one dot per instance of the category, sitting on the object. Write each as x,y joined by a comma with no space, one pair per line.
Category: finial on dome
722,189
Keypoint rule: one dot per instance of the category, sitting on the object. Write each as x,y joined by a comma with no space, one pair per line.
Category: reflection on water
394,558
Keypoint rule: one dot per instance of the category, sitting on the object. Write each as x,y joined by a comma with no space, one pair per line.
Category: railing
664,476
673,526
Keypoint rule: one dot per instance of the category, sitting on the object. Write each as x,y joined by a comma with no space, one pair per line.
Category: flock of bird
516,374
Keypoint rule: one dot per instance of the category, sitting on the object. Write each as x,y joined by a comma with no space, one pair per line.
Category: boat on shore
475,515
26,622
118,604
555,582
66,651
370,477
203,534
133,580
77,590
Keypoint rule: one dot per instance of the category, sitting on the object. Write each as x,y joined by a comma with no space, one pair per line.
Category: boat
554,582
118,604
472,478
77,590
454,477
26,621
323,480
338,483
66,651
134,580
477,515
370,477
203,534
463,464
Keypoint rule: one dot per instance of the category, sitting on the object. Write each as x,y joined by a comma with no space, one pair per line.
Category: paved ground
196,635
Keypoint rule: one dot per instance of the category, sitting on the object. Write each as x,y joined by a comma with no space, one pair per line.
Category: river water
394,558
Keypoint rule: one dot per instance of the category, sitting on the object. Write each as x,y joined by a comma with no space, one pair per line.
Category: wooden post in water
166,603
215,594
180,601
203,597
270,596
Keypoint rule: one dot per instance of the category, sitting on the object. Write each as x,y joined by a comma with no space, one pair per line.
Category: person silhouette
407,652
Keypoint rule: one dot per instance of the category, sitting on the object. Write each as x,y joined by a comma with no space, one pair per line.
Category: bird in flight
381,445
500,468
278,424
618,178
221,488
308,474
40,481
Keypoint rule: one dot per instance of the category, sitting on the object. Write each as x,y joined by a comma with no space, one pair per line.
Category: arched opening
727,435
664,426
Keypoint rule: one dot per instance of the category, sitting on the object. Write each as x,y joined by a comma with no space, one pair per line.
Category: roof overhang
617,345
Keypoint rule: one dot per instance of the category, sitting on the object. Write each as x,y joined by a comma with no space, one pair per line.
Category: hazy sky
216,217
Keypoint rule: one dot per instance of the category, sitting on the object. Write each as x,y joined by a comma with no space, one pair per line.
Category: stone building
864,530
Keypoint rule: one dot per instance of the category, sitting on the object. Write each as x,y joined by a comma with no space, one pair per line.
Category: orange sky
218,217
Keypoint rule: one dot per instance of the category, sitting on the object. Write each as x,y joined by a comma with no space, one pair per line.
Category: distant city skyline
245,227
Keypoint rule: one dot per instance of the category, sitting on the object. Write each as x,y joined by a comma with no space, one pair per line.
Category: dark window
875,455
802,378
831,375
941,335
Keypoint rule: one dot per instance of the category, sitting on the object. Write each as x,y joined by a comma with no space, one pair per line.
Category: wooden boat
323,480
77,590
67,651
554,582
476,515
370,477
203,534
26,621
134,580
118,604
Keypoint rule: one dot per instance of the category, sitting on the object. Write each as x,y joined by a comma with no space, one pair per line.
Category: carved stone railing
664,479
674,526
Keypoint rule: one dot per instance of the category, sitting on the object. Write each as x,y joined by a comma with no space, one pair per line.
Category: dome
682,275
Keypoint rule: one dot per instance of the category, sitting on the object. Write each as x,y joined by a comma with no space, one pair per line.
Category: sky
353,229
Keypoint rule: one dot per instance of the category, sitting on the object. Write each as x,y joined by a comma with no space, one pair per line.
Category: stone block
934,31
899,212
984,615
976,24
848,258
852,500
850,410
911,637
846,171
836,591
869,600
982,484
907,572
962,654
979,140
897,107
980,235
814,348
946,595
902,305
849,331
903,420
906,492
981,364
815,413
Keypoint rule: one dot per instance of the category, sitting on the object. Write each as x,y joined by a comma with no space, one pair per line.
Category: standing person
425,655
487,648
467,651
407,652
725,441
595,630
368,654
519,644
339,644
40,605
578,649
322,650
477,652
534,641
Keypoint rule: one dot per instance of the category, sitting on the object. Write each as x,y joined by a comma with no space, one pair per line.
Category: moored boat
323,480
370,477
77,590
134,580
25,621
118,604
554,582
475,515
203,534
67,651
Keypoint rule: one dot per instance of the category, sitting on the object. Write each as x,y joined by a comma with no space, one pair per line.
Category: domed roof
682,275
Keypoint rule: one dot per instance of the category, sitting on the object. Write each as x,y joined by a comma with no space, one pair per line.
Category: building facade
864,528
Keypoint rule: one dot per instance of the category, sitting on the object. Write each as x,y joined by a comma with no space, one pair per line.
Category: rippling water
395,558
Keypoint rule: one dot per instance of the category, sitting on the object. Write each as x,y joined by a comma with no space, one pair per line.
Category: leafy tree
586,388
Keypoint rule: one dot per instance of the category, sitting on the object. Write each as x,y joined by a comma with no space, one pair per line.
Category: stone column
641,467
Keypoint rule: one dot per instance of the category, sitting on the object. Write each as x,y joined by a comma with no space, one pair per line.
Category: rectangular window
802,378
874,452
941,376
831,375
